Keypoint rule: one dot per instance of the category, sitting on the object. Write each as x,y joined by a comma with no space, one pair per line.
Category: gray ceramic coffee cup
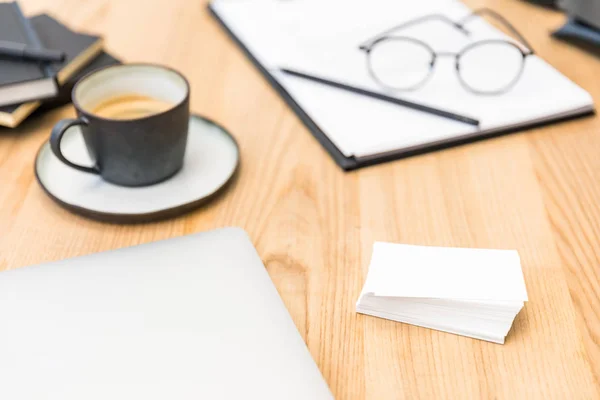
137,151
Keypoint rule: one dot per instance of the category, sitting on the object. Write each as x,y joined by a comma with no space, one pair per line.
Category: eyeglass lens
400,64
487,67
490,67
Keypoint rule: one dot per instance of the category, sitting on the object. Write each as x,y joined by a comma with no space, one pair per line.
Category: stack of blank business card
470,292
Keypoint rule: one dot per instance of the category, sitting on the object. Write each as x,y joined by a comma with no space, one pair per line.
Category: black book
80,49
22,80
64,94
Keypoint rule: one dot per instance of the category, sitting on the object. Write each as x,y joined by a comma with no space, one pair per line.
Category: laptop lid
195,317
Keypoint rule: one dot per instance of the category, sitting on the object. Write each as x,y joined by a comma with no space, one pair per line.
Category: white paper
469,292
445,273
322,38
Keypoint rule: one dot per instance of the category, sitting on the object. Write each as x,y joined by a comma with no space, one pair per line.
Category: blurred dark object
583,11
547,3
580,34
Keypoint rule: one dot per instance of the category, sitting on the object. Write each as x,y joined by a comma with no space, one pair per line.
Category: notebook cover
80,50
351,163
14,27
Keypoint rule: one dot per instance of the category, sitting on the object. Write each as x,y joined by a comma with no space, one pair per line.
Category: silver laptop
196,317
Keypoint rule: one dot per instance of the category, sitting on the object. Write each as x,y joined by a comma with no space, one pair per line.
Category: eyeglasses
484,67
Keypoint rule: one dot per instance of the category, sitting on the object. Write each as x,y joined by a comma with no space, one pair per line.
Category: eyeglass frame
526,51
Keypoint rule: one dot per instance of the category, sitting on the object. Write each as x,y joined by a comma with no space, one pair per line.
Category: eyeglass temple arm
499,18
369,42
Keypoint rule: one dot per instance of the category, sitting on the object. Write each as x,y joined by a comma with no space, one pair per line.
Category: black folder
352,163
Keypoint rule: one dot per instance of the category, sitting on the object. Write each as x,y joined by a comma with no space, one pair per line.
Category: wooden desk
314,225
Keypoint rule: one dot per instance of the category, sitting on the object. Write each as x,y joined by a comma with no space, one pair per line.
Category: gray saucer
211,160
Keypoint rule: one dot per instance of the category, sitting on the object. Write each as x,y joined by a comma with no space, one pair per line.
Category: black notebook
22,80
64,93
80,49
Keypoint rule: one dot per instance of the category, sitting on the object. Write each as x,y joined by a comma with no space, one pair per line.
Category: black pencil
383,97
23,52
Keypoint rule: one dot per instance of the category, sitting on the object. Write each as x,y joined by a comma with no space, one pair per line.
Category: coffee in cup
130,106
134,120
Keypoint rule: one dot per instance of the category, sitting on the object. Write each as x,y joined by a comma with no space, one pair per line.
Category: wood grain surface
314,225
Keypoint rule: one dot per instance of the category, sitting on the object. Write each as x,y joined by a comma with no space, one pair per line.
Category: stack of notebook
470,292
25,85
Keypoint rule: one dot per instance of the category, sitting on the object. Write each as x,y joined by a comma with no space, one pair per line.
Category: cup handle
56,137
